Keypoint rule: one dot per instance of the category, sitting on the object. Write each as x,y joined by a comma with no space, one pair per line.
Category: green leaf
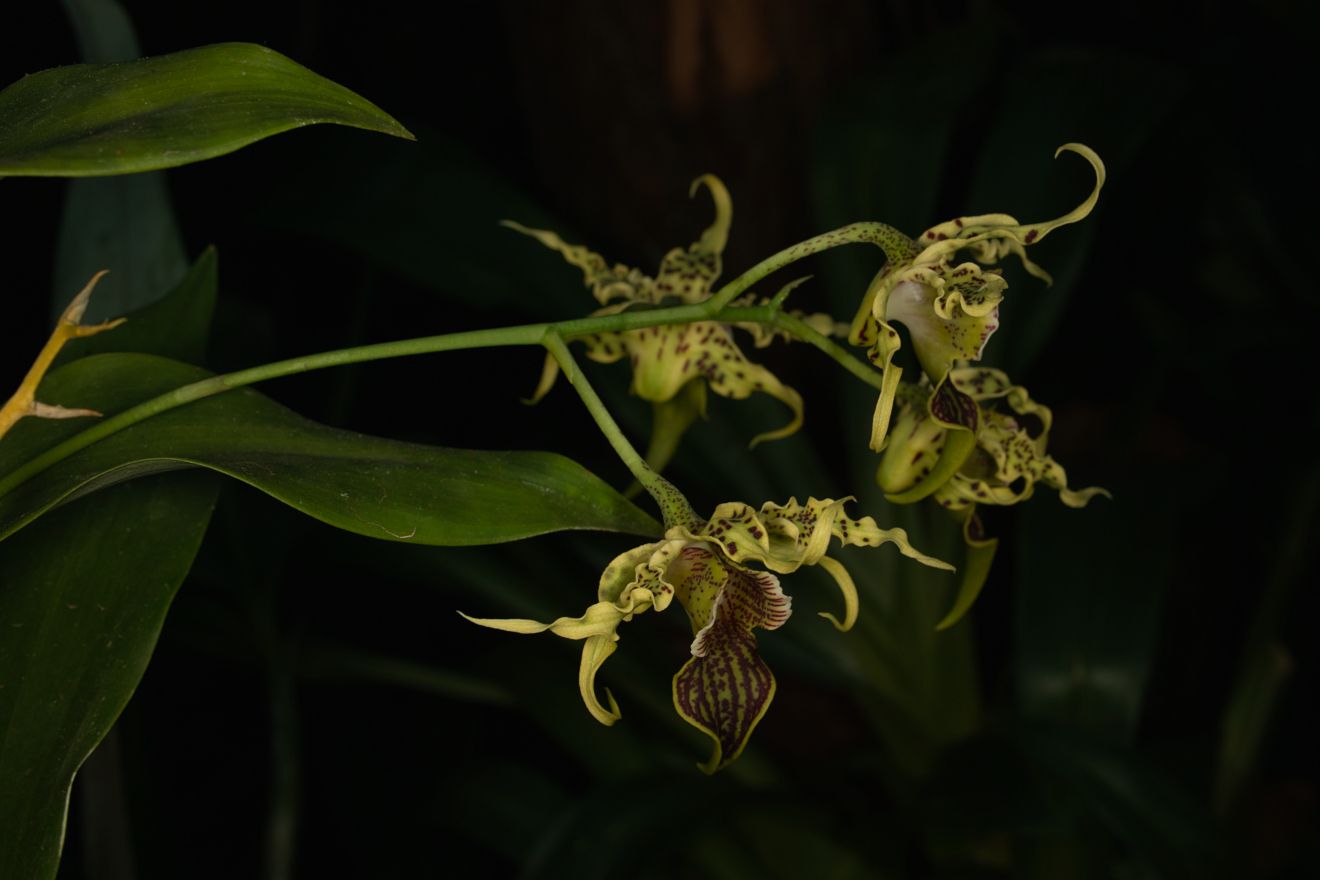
82,599
374,487
1090,590
104,31
125,223
83,595
90,120
176,326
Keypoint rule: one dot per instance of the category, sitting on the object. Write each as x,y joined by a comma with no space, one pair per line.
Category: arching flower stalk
724,688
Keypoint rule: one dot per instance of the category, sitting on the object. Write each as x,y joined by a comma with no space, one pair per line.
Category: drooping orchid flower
724,573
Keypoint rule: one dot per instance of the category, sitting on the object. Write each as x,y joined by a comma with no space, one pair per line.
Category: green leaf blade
91,120
371,486
83,596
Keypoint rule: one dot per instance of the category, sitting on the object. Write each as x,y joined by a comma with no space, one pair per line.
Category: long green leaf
371,486
83,595
82,599
90,120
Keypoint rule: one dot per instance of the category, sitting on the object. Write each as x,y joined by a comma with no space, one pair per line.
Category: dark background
315,705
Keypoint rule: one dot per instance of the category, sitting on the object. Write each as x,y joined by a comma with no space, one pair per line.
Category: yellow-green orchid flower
676,358
725,687
949,308
23,402
993,452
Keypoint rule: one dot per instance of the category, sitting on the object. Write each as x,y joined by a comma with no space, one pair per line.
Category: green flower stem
838,353
554,343
673,505
895,244
526,334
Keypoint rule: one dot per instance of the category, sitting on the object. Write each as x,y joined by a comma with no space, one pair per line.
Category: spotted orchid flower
23,403
674,364
950,308
977,439
724,688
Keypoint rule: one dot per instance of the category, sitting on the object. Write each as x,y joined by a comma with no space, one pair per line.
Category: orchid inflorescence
961,435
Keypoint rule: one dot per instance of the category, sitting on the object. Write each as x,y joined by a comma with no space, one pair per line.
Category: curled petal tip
838,624
849,591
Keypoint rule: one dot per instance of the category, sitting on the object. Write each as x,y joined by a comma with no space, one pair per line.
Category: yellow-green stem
525,334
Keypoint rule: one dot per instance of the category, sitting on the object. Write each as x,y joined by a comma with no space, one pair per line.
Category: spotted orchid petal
725,688
786,537
666,358
690,273
608,283
1011,448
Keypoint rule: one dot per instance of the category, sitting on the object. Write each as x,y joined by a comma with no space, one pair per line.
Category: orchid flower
724,688
950,309
991,453
673,364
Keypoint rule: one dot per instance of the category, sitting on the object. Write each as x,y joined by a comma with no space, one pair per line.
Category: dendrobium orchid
725,687
993,452
950,309
1008,459
670,359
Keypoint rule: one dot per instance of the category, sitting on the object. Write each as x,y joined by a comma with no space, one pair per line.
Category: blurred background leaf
125,223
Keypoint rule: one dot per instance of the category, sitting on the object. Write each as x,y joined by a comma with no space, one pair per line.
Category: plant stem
804,331
525,334
673,505
895,244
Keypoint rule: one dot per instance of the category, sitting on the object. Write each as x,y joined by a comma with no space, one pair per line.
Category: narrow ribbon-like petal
595,651
976,568
991,237
689,274
865,532
600,619
849,591
608,283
